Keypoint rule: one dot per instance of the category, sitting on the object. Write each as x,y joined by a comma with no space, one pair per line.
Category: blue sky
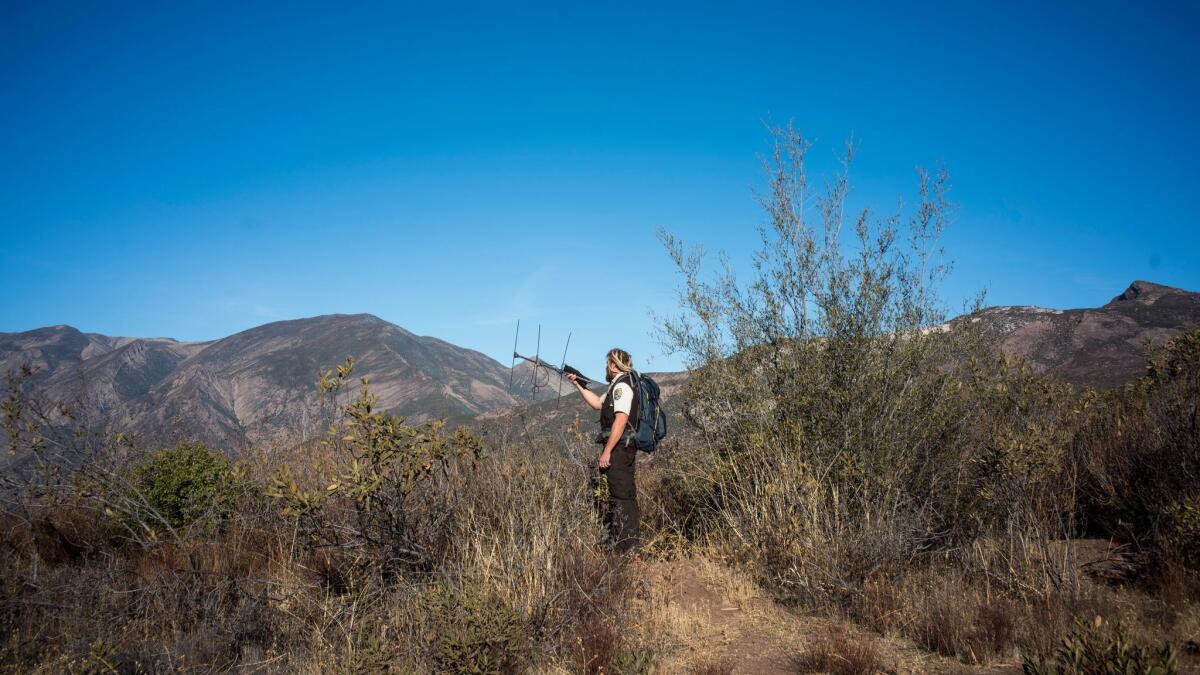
195,169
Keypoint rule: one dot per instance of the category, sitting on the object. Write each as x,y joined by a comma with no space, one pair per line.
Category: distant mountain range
260,384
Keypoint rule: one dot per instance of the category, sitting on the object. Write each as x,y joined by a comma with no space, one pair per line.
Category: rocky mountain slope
1099,347
258,384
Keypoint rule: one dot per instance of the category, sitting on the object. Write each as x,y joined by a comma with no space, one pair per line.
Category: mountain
259,384
1100,347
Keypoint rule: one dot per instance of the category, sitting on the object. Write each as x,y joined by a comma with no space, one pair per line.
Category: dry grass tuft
713,666
838,652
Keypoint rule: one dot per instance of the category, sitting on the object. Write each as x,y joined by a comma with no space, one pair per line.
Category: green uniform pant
622,518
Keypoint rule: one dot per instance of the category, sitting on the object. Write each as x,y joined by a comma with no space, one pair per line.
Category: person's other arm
614,437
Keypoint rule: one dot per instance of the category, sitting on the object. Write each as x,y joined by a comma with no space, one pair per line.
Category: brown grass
839,652
261,592
714,666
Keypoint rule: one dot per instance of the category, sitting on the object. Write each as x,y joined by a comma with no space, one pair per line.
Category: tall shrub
845,425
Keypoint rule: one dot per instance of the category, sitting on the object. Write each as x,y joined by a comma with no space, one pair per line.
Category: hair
621,359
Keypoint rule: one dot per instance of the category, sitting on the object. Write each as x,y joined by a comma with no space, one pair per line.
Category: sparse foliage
390,493
828,392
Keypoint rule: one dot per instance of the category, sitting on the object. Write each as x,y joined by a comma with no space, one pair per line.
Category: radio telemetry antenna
562,370
513,366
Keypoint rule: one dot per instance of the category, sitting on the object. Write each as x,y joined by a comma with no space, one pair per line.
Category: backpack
651,424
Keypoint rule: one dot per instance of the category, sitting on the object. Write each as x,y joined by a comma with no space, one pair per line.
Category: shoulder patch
617,393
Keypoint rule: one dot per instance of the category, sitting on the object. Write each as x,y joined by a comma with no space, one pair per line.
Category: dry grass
953,619
713,666
254,595
275,594
838,652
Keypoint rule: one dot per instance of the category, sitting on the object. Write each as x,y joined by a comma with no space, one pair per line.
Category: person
618,459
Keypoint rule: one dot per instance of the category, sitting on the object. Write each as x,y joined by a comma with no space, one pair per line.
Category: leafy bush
634,662
1097,648
476,632
181,486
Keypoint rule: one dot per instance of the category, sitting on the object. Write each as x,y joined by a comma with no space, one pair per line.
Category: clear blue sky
195,169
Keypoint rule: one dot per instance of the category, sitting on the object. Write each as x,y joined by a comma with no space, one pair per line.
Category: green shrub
476,632
634,662
377,649
1096,648
176,487
1182,529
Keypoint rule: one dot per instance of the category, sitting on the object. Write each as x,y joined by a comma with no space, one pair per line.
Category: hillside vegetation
859,492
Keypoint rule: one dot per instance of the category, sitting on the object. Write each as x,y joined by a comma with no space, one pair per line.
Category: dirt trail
719,619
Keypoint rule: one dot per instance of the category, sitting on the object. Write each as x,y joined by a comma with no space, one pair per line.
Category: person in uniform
618,459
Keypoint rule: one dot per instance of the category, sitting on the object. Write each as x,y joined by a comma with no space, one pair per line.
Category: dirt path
721,622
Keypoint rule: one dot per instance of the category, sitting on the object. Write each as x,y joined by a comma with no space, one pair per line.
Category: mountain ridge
1100,347
259,384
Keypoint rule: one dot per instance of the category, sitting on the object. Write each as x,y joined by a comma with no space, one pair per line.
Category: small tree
830,338
838,410
390,495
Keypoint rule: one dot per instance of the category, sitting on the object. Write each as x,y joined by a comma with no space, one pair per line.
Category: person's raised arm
592,399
